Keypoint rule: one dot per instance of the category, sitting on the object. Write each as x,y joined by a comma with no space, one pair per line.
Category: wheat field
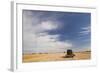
41,57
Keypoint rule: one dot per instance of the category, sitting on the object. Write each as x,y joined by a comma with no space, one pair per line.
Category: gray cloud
35,37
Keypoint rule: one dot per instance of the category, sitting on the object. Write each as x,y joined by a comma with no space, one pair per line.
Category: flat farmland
42,57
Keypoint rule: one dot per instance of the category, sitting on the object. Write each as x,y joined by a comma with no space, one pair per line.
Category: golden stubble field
42,57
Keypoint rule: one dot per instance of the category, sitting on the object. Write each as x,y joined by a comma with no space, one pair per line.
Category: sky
55,31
